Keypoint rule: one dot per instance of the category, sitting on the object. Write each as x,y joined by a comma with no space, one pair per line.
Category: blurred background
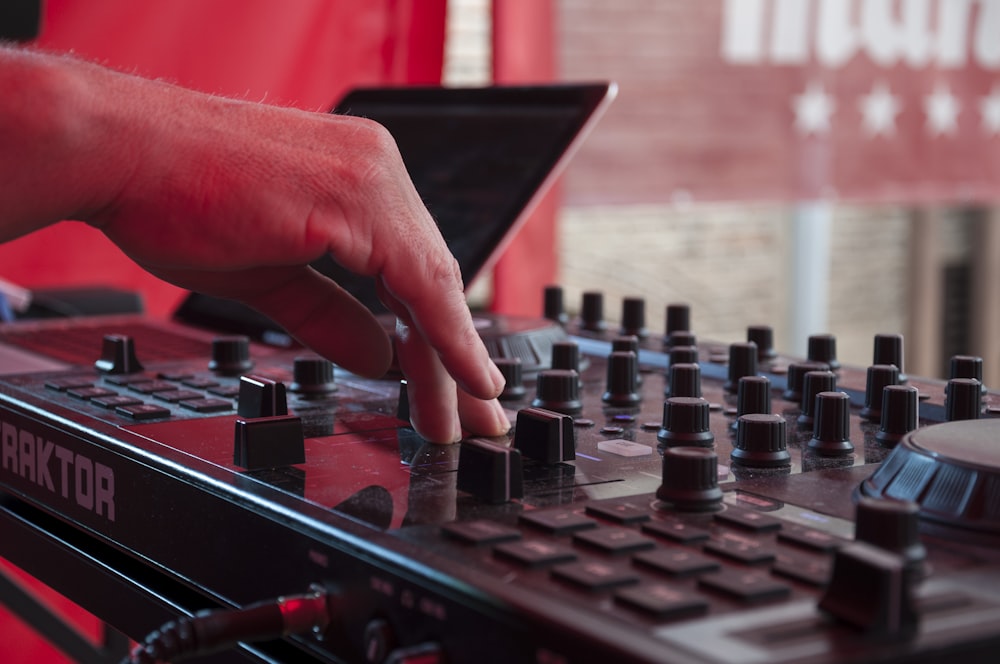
815,166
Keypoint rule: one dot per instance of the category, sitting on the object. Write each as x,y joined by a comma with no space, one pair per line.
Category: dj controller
660,498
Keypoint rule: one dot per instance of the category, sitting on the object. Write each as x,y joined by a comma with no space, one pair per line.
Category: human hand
235,199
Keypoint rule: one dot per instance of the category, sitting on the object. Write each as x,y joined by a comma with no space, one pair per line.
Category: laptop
479,157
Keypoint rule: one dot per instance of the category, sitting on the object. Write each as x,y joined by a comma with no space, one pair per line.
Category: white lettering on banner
916,33
78,479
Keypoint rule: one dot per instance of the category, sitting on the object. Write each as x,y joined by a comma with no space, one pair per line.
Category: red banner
872,100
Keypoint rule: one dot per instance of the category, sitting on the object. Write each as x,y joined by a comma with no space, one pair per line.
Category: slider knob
312,376
690,479
230,355
118,355
892,525
558,390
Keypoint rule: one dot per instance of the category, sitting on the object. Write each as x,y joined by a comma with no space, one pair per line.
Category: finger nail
499,382
502,421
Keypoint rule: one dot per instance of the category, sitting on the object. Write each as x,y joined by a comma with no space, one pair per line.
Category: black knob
230,355
510,368
831,428
742,362
900,404
312,377
889,350
268,442
763,336
683,355
592,312
554,309
966,366
558,390
566,355
813,383
680,338
545,436
626,342
753,396
118,355
761,441
823,348
261,397
690,479
878,377
685,422
678,319
634,317
963,399
492,473
684,380
893,525
621,384
795,379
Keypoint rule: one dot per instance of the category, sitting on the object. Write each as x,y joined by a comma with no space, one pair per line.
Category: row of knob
230,356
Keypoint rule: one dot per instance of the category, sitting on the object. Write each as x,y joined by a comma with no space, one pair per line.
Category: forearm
58,160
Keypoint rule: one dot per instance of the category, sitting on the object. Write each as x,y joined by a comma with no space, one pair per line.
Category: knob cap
823,348
685,422
566,355
763,336
680,338
261,397
893,525
510,368
753,396
683,355
831,430
558,390
813,383
118,355
621,382
900,404
592,312
966,366
684,380
796,378
761,441
230,355
963,399
678,319
553,305
879,376
742,362
690,479
634,317
889,350
312,377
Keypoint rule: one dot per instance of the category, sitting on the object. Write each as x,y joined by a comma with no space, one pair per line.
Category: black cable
218,629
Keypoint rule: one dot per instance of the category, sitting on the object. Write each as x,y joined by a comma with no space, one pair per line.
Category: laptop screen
478,157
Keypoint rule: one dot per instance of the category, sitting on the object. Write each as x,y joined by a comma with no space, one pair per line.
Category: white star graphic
813,109
989,108
942,111
879,108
